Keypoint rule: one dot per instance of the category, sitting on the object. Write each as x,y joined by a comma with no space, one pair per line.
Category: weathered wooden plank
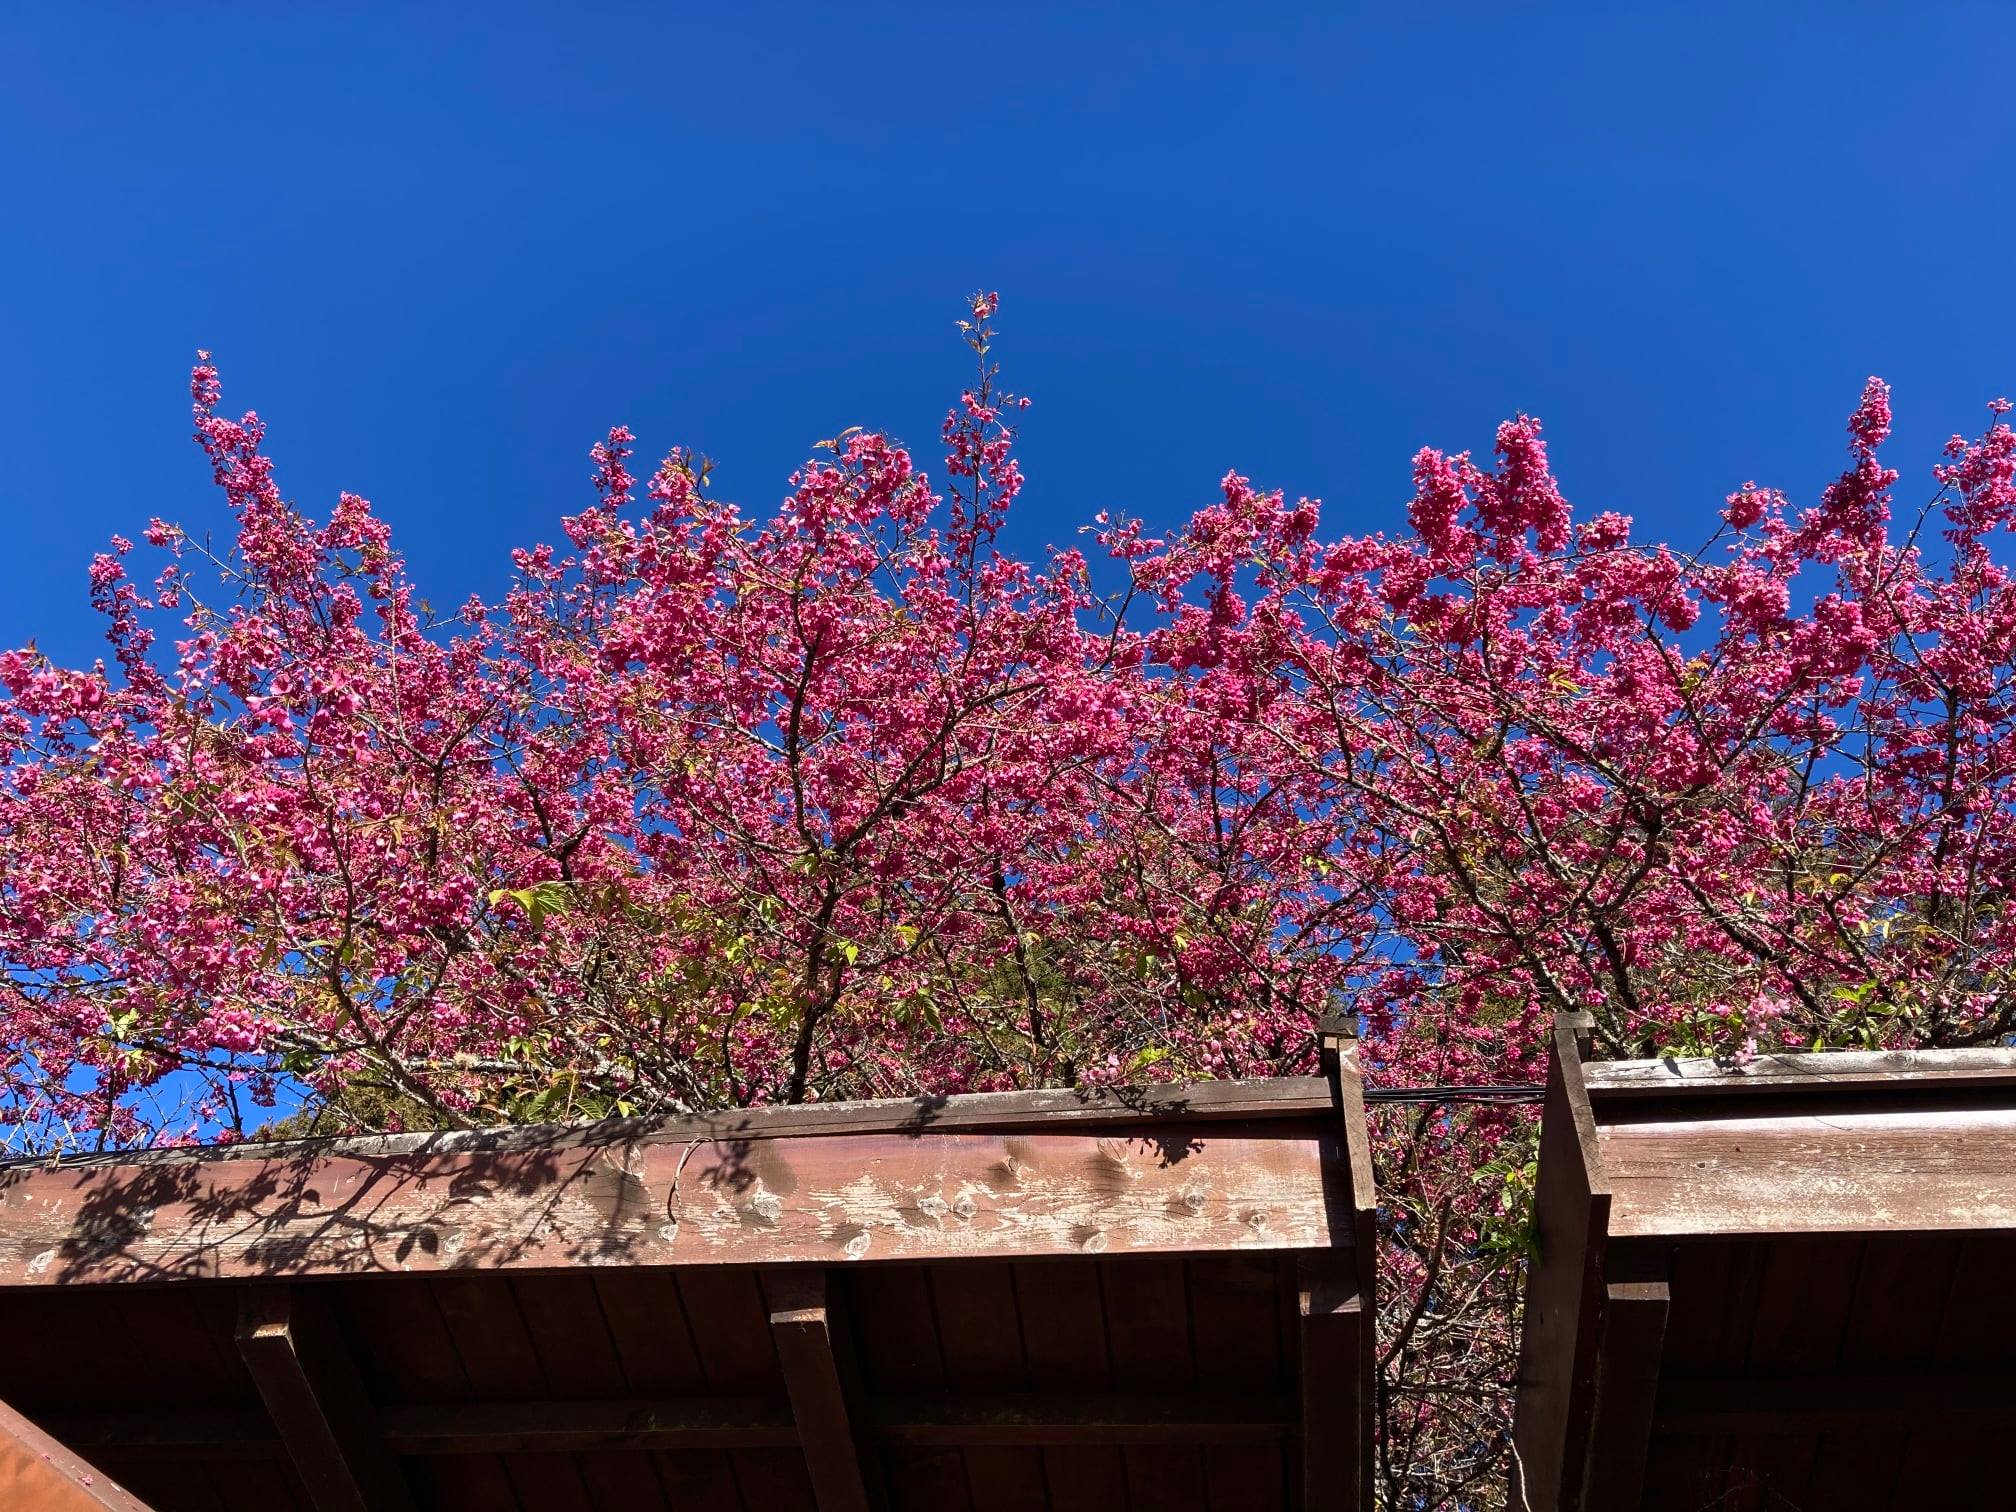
1159,1188
316,1399
1251,1099
1825,1072
824,1408
38,1471
1804,1173
1336,1386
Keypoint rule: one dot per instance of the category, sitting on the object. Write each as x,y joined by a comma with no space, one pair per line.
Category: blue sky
441,254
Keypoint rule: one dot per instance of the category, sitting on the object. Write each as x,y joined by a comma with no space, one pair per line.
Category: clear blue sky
443,250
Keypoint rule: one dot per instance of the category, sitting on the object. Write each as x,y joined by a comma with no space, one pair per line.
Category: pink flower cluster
712,808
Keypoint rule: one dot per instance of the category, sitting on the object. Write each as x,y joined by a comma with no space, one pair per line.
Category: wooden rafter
317,1402
825,1403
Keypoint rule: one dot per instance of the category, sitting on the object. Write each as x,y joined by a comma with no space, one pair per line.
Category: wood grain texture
1156,1188
1812,1173
1831,1071
1254,1098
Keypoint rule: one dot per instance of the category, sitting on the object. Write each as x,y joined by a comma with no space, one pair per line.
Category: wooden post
38,1472
1557,1351
818,1380
1336,1386
1339,1304
317,1401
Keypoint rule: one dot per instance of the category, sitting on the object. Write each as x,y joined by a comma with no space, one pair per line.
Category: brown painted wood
1813,1173
1833,1073
980,1339
900,1351
1336,1386
1631,1340
1249,1100
1557,1356
316,1399
1148,1340
1846,1402
1063,1314
39,1472
1156,1188
920,1418
829,1422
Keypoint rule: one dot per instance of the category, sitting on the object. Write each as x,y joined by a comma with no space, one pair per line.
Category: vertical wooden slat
1355,1274
37,1472
816,1380
496,1352
1336,1402
563,1319
317,1402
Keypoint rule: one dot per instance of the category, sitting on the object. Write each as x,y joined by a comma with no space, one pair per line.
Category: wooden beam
1154,1188
1336,1345
1848,1402
41,1473
818,1379
317,1401
1037,1418
1632,1336
1242,1100
1830,1073
1744,1171
1557,1347
1020,1418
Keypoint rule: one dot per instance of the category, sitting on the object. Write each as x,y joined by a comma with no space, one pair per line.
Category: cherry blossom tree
710,808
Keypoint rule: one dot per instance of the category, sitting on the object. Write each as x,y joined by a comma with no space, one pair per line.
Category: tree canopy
715,808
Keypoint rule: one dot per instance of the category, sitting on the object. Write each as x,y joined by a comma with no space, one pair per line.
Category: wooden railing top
1822,1071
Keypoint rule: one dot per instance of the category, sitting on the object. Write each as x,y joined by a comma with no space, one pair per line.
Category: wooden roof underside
1144,1299
1775,1284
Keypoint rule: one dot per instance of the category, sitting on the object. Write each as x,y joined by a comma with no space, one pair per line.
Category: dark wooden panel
980,1338
577,1358
497,1355
1713,1288
730,1324
406,1354
1803,1307
899,1351
1631,1344
1148,1340
646,1322
1063,1317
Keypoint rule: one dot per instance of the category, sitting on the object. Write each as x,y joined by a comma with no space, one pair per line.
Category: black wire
1517,1093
